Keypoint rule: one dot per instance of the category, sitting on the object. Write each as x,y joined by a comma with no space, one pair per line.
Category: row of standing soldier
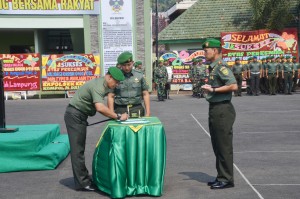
270,76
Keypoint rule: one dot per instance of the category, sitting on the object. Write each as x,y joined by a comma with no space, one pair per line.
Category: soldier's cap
211,43
116,73
250,58
277,58
294,57
288,57
200,60
194,60
137,63
272,57
237,59
125,57
254,57
263,59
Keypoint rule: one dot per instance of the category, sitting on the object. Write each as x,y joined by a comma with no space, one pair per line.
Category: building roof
207,20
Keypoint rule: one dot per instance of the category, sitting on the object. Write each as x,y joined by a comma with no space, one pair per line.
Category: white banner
117,35
49,7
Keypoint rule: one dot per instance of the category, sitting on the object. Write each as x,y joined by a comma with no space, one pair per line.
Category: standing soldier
238,70
296,69
138,65
279,85
255,75
129,95
170,77
247,76
263,80
160,79
272,75
192,72
200,74
221,113
288,74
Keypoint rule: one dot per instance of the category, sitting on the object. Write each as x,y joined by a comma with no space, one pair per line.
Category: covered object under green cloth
130,159
33,147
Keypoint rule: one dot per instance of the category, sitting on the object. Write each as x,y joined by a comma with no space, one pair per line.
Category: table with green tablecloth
130,159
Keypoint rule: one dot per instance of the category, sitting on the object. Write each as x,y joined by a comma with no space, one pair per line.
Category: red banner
68,72
21,72
260,43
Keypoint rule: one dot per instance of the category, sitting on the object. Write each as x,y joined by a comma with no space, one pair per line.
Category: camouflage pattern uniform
160,79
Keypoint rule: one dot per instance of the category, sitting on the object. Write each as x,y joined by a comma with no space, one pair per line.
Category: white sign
117,35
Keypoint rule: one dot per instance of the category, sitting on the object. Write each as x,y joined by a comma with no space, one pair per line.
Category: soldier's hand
207,88
124,116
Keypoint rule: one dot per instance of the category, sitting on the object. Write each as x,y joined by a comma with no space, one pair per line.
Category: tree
271,14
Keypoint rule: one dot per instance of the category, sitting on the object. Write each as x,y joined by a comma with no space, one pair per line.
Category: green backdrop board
130,159
33,147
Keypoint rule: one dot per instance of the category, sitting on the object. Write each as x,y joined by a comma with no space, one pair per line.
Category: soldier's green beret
277,58
237,59
125,57
116,73
137,63
294,57
263,59
211,43
199,60
250,58
288,57
160,61
194,60
271,57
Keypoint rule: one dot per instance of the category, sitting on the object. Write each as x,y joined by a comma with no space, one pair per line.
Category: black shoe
222,185
87,188
212,182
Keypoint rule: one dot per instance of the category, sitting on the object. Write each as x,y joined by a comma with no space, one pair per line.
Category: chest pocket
136,89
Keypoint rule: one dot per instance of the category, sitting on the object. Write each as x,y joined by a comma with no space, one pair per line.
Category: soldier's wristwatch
119,116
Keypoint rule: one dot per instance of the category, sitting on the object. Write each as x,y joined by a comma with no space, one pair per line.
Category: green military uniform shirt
296,66
272,67
255,67
90,93
130,91
237,69
160,75
220,75
279,66
288,67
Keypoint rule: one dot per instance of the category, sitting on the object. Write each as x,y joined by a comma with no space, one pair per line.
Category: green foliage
163,5
271,14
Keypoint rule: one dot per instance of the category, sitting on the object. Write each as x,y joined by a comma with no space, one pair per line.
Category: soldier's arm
146,97
110,101
101,108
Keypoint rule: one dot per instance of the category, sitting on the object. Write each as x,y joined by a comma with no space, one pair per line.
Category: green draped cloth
130,159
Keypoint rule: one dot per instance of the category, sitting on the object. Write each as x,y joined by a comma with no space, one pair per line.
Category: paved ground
266,149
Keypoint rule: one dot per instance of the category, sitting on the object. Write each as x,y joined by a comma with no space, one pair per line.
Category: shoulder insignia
136,80
224,70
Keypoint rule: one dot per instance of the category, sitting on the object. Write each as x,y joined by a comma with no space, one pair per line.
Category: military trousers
272,82
255,83
288,82
295,81
76,123
161,90
221,118
239,80
280,83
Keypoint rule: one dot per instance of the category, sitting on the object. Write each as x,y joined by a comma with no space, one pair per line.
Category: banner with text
181,62
50,7
117,35
21,72
68,72
260,43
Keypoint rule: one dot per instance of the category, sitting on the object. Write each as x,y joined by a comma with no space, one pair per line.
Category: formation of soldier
198,75
270,76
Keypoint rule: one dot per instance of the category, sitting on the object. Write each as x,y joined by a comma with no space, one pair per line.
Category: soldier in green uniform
272,75
199,77
192,73
138,65
296,68
255,71
130,94
247,76
160,79
238,70
221,113
279,85
288,75
88,100
263,80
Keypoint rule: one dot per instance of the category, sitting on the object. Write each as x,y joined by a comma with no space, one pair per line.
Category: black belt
130,105
222,102
287,72
271,73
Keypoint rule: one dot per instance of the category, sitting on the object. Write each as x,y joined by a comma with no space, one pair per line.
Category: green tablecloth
130,159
